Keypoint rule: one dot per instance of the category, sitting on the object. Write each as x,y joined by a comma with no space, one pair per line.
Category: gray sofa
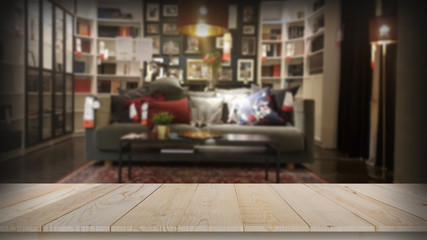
296,142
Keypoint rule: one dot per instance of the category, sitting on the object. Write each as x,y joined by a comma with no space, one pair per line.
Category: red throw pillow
139,101
179,109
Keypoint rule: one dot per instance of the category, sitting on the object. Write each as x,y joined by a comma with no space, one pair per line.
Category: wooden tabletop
213,207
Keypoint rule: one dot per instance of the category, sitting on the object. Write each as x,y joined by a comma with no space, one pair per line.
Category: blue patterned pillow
256,111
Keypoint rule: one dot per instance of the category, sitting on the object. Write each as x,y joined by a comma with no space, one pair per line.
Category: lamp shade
383,30
203,17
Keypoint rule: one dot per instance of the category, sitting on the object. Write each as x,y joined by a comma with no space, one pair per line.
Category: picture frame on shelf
177,73
174,61
170,10
171,47
156,44
245,70
170,29
153,12
197,70
219,42
232,16
248,46
248,14
248,29
226,74
153,28
193,45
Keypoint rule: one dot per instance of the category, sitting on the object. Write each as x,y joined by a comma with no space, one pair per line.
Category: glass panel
69,43
33,107
47,105
33,33
59,104
69,103
47,35
59,39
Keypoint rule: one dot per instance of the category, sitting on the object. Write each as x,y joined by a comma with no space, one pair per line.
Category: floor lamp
382,31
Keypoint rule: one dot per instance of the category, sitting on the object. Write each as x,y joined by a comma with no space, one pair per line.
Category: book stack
271,34
83,28
274,50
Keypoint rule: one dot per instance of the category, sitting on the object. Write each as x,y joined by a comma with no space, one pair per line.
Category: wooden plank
320,213
34,220
402,201
418,191
383,216
18,193
160,212
213,208
100,214
22,207
263,209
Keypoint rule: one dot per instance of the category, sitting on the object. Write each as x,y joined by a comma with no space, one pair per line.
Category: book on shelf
295,32
114,31
83,28
115,84
271,70
82,85
131,85
104,86
107,68
79,66
274,50
276,70
124,32
85,45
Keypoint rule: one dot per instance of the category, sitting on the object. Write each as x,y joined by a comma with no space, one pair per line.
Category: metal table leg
120,161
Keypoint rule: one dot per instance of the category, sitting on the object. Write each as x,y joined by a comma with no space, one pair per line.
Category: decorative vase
162,132
214,78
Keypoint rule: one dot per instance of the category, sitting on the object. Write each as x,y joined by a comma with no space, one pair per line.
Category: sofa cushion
278,96
290,139
179,109
169,87
108,137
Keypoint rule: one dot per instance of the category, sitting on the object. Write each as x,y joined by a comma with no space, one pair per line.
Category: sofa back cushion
169,87
179,109
210,108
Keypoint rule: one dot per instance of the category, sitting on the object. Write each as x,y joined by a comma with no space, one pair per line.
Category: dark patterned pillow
256,111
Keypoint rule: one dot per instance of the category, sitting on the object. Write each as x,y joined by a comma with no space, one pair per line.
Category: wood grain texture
34,220
404,202
22,207
213,208
100,214
263,209
383,216
418,191
160,212
16,193
320,213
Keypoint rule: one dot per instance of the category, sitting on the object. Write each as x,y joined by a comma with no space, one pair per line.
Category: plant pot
162,131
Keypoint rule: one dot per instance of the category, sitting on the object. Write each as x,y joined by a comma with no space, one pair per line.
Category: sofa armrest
304,121
102,119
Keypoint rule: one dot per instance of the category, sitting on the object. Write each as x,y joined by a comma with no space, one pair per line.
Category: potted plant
162,121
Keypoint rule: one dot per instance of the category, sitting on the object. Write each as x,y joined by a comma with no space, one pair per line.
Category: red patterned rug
96,172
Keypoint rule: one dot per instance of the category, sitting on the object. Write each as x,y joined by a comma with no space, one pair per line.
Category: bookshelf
95,75
309,56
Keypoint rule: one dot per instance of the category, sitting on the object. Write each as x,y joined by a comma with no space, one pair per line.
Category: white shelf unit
319,79
88,11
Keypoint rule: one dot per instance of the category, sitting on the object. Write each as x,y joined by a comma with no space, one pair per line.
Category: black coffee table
247,140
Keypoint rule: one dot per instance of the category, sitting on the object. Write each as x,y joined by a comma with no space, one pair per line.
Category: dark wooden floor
52,163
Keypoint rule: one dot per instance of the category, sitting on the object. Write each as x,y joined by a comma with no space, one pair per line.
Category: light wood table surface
286,209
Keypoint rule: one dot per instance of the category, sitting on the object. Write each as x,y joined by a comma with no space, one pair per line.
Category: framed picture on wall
170,10
226,63
170,29
248,46
197,70
248,29
153,28
174,61
153,12
245,70
232,17
156,44
219,42
192,45
226,74
170,47
248,14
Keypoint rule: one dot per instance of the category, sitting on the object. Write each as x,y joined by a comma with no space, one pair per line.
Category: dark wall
411,88
208,43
